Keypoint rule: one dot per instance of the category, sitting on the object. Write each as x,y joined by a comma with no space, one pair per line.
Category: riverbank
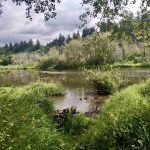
27,120
128,65
19,67
36,67
123,122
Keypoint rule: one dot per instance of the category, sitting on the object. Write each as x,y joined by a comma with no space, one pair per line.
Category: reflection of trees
16,78
70,80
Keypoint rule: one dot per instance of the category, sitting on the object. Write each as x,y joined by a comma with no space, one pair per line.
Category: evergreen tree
30,43
68,39
87,31
6,46
61,40
76,35
10,47
38,45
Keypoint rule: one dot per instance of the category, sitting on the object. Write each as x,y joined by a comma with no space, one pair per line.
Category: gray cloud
15,27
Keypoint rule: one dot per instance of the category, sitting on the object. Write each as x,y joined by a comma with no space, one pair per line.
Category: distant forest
124,30
29,46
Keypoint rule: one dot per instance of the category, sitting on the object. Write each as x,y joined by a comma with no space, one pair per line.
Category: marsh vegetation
88,92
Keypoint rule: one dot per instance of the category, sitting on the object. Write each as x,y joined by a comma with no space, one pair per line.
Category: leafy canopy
46,7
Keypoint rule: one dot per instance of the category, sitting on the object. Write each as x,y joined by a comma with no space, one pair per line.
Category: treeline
22,46
61,40
128,29
29,46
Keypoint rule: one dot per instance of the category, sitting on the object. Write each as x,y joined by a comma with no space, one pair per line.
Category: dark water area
79,94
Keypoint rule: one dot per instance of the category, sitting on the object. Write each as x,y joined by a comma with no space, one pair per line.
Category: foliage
70,122
21,47
98,49
25,120
109,9
44,7
124,121
53,62
136,58
73,53
131,65
104,81
48,90
7,60
87,31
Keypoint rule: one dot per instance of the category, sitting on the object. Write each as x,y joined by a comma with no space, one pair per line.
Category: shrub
25,121
48,63
71,122
145,89
103,81
48,89
6,61
124,122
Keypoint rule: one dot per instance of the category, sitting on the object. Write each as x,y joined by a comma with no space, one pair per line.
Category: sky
14,26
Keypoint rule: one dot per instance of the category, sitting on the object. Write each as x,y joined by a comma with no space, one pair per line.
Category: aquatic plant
48,89
104,81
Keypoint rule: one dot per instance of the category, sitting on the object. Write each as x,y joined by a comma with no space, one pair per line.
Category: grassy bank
26,120
47,65
17,67
105,82
128,65
25,117
124,122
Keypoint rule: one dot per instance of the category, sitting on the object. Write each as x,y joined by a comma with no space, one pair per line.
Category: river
79,94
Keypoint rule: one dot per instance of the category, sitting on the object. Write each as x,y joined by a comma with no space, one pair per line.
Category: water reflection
78,93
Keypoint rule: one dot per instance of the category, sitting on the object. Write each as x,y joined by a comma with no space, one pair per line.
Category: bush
136,58
25,121
6,61
58,63
124,121
74,124
48,89
103,81
48,64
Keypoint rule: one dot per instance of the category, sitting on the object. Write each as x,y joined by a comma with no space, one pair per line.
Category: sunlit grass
124,122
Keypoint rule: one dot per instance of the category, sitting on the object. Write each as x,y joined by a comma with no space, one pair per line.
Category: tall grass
105,82
25,118
124,122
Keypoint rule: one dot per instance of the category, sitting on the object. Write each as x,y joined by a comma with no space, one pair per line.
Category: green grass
104,81
25,117
51,89
26,120
60,65
25,67
124,122
128,65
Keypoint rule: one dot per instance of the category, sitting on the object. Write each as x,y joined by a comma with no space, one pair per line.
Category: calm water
78,93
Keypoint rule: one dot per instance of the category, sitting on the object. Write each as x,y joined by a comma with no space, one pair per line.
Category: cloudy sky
15,27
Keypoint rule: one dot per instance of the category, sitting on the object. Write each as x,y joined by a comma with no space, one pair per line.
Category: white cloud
14,26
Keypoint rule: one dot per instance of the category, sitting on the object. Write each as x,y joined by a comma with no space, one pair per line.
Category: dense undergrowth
94,50
124,122
105,82
26,120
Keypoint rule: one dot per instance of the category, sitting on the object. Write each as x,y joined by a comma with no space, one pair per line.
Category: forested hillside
113,43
